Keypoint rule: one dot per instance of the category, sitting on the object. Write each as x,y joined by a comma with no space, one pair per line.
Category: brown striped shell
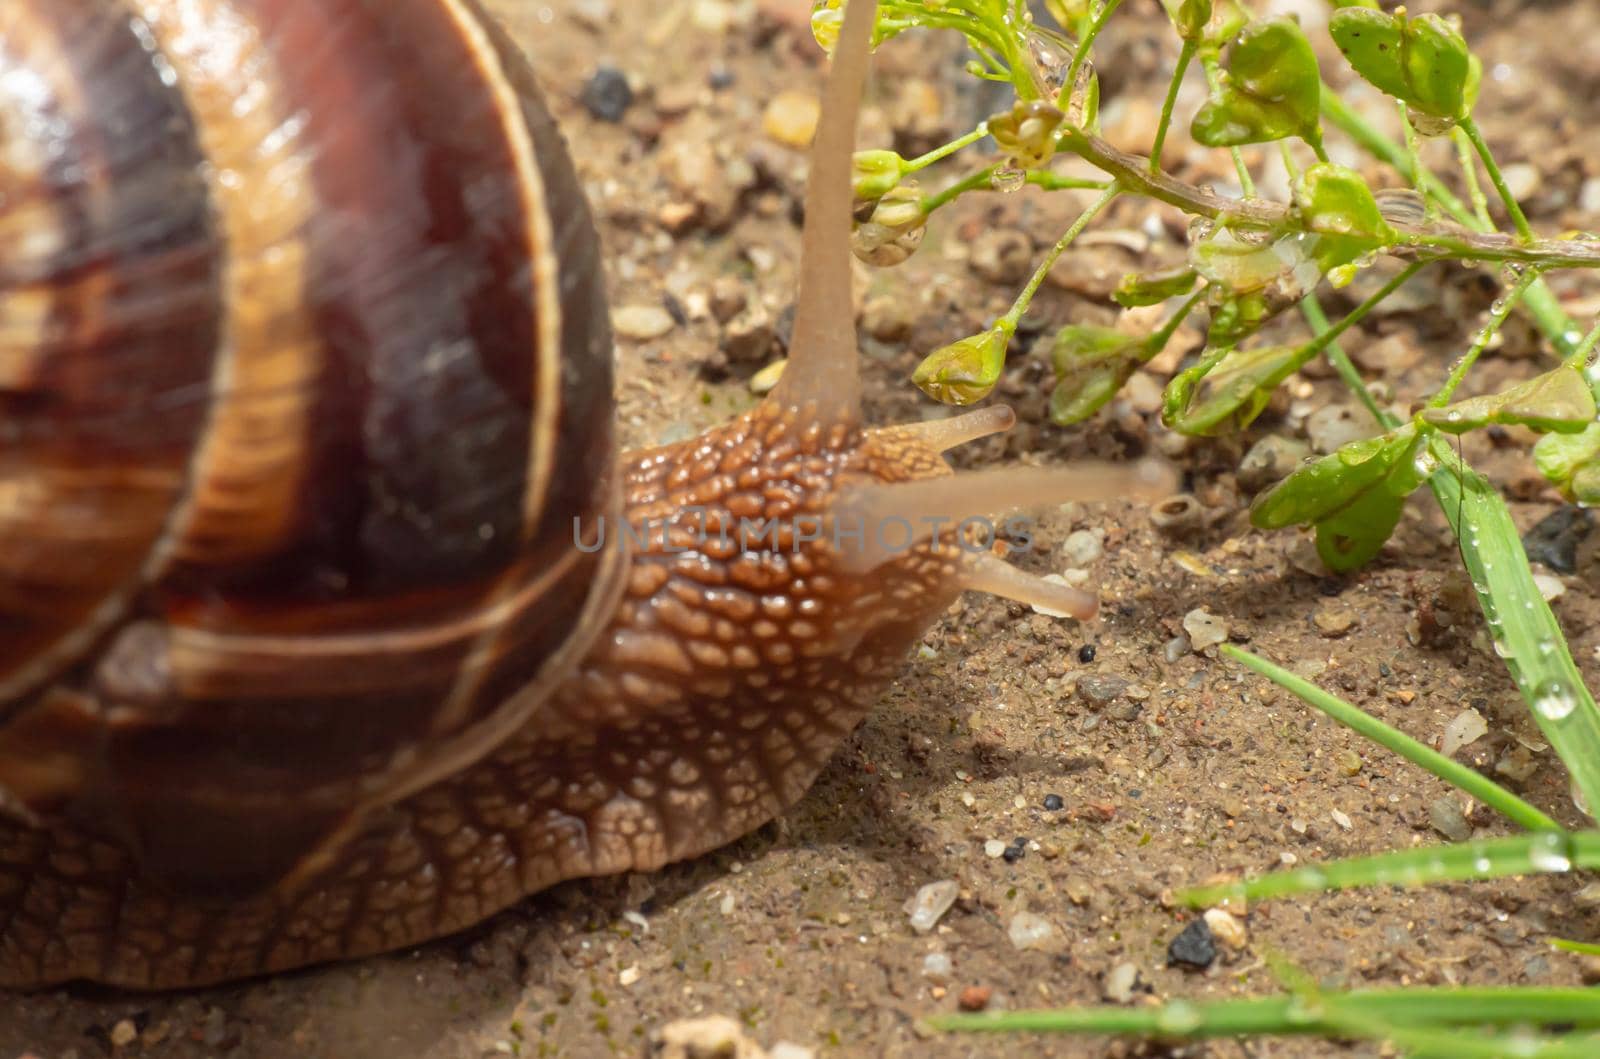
305,372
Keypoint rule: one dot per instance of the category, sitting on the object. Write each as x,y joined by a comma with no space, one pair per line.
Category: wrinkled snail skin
305,416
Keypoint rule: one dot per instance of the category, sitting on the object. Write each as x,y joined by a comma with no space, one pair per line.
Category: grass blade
1542,851
1525,630
1473,783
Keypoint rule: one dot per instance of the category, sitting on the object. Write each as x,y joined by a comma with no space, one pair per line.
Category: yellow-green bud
876,174
1027,133
964,371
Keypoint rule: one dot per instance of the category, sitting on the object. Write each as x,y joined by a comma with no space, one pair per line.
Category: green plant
1250,260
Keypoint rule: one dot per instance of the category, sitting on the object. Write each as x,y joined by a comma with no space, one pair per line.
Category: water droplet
1482,865
1502,650
1553,700
1007,179
1303,1010
1547,853
1578,800
1180,1016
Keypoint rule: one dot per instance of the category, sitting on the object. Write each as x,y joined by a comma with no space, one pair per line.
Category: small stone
1226,928
1204,628
930,903
887,317
1270,460
1086,653
1101,688
1144,393
1334,619
1517,764
629,974
791,118
1589,196
1342,818
1337,425
642,322
748,338
1053,802
1001,255
607,94
974,998
1445,814
1588,897
936,968
1193,947
1549,586
1177,516
1554,539
1349,762
1464,728
691,167
1521,179
1120,982
1390,355
1030,931
728,298
710,1037
790,1050
994,848
1175,648
124,1033
1082,547
1013,853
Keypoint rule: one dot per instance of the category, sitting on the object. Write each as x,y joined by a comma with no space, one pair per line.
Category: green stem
1044,178
982,178
1288,161
1469,173
1325,338
1311,309
946,150
1020,306
1246,185
1161,336
1457,775
1470,127
1171,101
1580,355
1497,316
1064,97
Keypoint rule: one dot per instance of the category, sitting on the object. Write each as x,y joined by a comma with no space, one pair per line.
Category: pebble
1177,516
692,169
1550,586
1342,818
791,118
1030,931
124,1033
1227,928
1464,728
930,903
607,94
1086,653
1193,947
704,1038
1337,425
1554,539
1083,547
1175,648
1445,814
748,337
974,998
1589,196
1204,628
1014,852
790,1050
1349,762
1270,460
1522,180
629,974
1391,355
1053,802
887,317
994,848
1001,255
642,322
1334,619
1101,688
936,967
1120,982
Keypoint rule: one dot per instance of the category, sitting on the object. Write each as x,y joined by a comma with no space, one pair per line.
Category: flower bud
876,173
1027,133
964,371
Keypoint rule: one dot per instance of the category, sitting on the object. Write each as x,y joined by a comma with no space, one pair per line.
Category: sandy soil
1191,769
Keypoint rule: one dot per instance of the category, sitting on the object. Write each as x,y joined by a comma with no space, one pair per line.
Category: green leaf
1091,364
1189,16
1353,496
1273,89
964,371
1572,463
1227,396
1558,401
1337,204
1153,288
1421,61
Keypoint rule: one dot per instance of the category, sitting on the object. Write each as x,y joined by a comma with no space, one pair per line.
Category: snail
311,646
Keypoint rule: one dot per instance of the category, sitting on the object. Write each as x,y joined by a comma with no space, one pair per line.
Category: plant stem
1354,316
1246,185
1311,309
1171,101
1469,173
979,179
1064,97
1497,316
1020,306
1581,354
945,150
1470,127
1162,335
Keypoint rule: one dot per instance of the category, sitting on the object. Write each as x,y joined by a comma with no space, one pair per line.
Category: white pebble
629,974
1550,586
993,848
930,903
790,1050
642,322
1120,982
1082,547
1204,628
1341,818
1030,931
1465,728
1227,928
937,968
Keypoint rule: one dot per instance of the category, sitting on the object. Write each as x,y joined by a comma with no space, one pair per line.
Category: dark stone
1193,947
1086,653
1053,802
1013,854
1554,540
607,95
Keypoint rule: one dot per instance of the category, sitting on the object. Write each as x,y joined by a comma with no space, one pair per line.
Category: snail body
305,398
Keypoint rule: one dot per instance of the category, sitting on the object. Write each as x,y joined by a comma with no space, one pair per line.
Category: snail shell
304,385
